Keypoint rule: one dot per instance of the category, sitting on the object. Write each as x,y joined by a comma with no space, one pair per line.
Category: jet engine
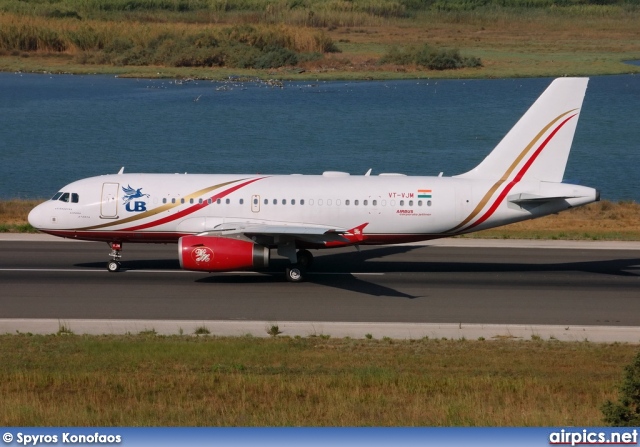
219,254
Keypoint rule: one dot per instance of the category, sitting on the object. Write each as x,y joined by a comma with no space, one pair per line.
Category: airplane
225,222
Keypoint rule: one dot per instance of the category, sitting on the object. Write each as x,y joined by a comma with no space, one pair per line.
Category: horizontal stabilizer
534,198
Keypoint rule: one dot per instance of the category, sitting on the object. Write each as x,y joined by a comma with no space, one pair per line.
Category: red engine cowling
219,254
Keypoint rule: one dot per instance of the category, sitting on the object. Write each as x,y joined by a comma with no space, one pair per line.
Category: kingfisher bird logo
129,195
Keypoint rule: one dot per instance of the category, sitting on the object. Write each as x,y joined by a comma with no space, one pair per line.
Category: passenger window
182,200
293,201
65,197
375,203
365,202
346,202
209,201
191,201
284,201
419,202
275,201
75,198
266,201
402,203
56,196
164,200
301,201
218,201
356,202
173,200
200,201
428,202
228,201
241,201
410,202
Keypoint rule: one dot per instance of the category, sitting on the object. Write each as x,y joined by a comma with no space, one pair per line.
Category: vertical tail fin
538,146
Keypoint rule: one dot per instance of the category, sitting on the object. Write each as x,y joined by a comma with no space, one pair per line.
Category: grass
13,215
603,220
545,39
138,380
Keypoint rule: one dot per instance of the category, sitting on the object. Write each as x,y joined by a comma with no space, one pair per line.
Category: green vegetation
626,412
328,39
426,56
150,380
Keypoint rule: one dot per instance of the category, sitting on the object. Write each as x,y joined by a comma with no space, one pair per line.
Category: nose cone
37,217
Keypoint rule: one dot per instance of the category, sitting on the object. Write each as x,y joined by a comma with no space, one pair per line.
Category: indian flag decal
424,194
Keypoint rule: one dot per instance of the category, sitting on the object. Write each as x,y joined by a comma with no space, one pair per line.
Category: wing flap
307,233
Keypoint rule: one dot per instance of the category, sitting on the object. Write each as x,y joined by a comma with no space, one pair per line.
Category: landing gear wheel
294,273
113,266
305,258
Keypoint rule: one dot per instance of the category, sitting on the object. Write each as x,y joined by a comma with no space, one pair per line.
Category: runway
467,283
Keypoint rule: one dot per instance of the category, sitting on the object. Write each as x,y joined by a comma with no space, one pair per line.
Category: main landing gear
114,265
295,272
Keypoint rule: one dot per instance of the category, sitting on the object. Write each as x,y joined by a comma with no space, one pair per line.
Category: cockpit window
67,197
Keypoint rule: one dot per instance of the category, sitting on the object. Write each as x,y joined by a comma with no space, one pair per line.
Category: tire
113,266
305,258
294,274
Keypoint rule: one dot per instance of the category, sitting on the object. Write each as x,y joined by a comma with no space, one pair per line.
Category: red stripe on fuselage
518,176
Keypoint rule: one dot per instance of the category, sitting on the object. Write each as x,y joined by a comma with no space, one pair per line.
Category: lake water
55,129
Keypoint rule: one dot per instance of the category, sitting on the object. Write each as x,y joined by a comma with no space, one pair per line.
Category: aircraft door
109,204
255,203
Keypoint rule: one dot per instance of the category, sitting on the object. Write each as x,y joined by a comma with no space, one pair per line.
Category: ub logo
202,255
130,194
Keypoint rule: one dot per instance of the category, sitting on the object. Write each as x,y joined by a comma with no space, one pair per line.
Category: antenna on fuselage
368,172
121,170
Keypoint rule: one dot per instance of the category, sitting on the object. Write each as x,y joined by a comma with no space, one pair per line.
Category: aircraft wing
307,233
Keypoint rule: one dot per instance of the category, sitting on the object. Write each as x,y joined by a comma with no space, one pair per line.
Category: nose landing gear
114,265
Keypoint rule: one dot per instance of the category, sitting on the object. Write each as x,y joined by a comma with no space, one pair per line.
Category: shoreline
40,66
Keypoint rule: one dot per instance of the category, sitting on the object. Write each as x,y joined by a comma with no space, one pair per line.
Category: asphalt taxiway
451,283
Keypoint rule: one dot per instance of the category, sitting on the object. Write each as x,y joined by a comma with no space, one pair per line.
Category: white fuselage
396,208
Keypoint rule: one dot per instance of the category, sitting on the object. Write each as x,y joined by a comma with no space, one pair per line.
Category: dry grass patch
209,381
13,215
597,221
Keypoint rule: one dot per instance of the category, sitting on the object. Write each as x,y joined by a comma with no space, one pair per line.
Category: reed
242,46
512,37
195,381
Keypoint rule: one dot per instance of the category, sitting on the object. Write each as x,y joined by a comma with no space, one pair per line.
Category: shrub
431,58
626,412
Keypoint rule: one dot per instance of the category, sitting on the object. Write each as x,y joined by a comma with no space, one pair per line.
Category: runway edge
356,330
